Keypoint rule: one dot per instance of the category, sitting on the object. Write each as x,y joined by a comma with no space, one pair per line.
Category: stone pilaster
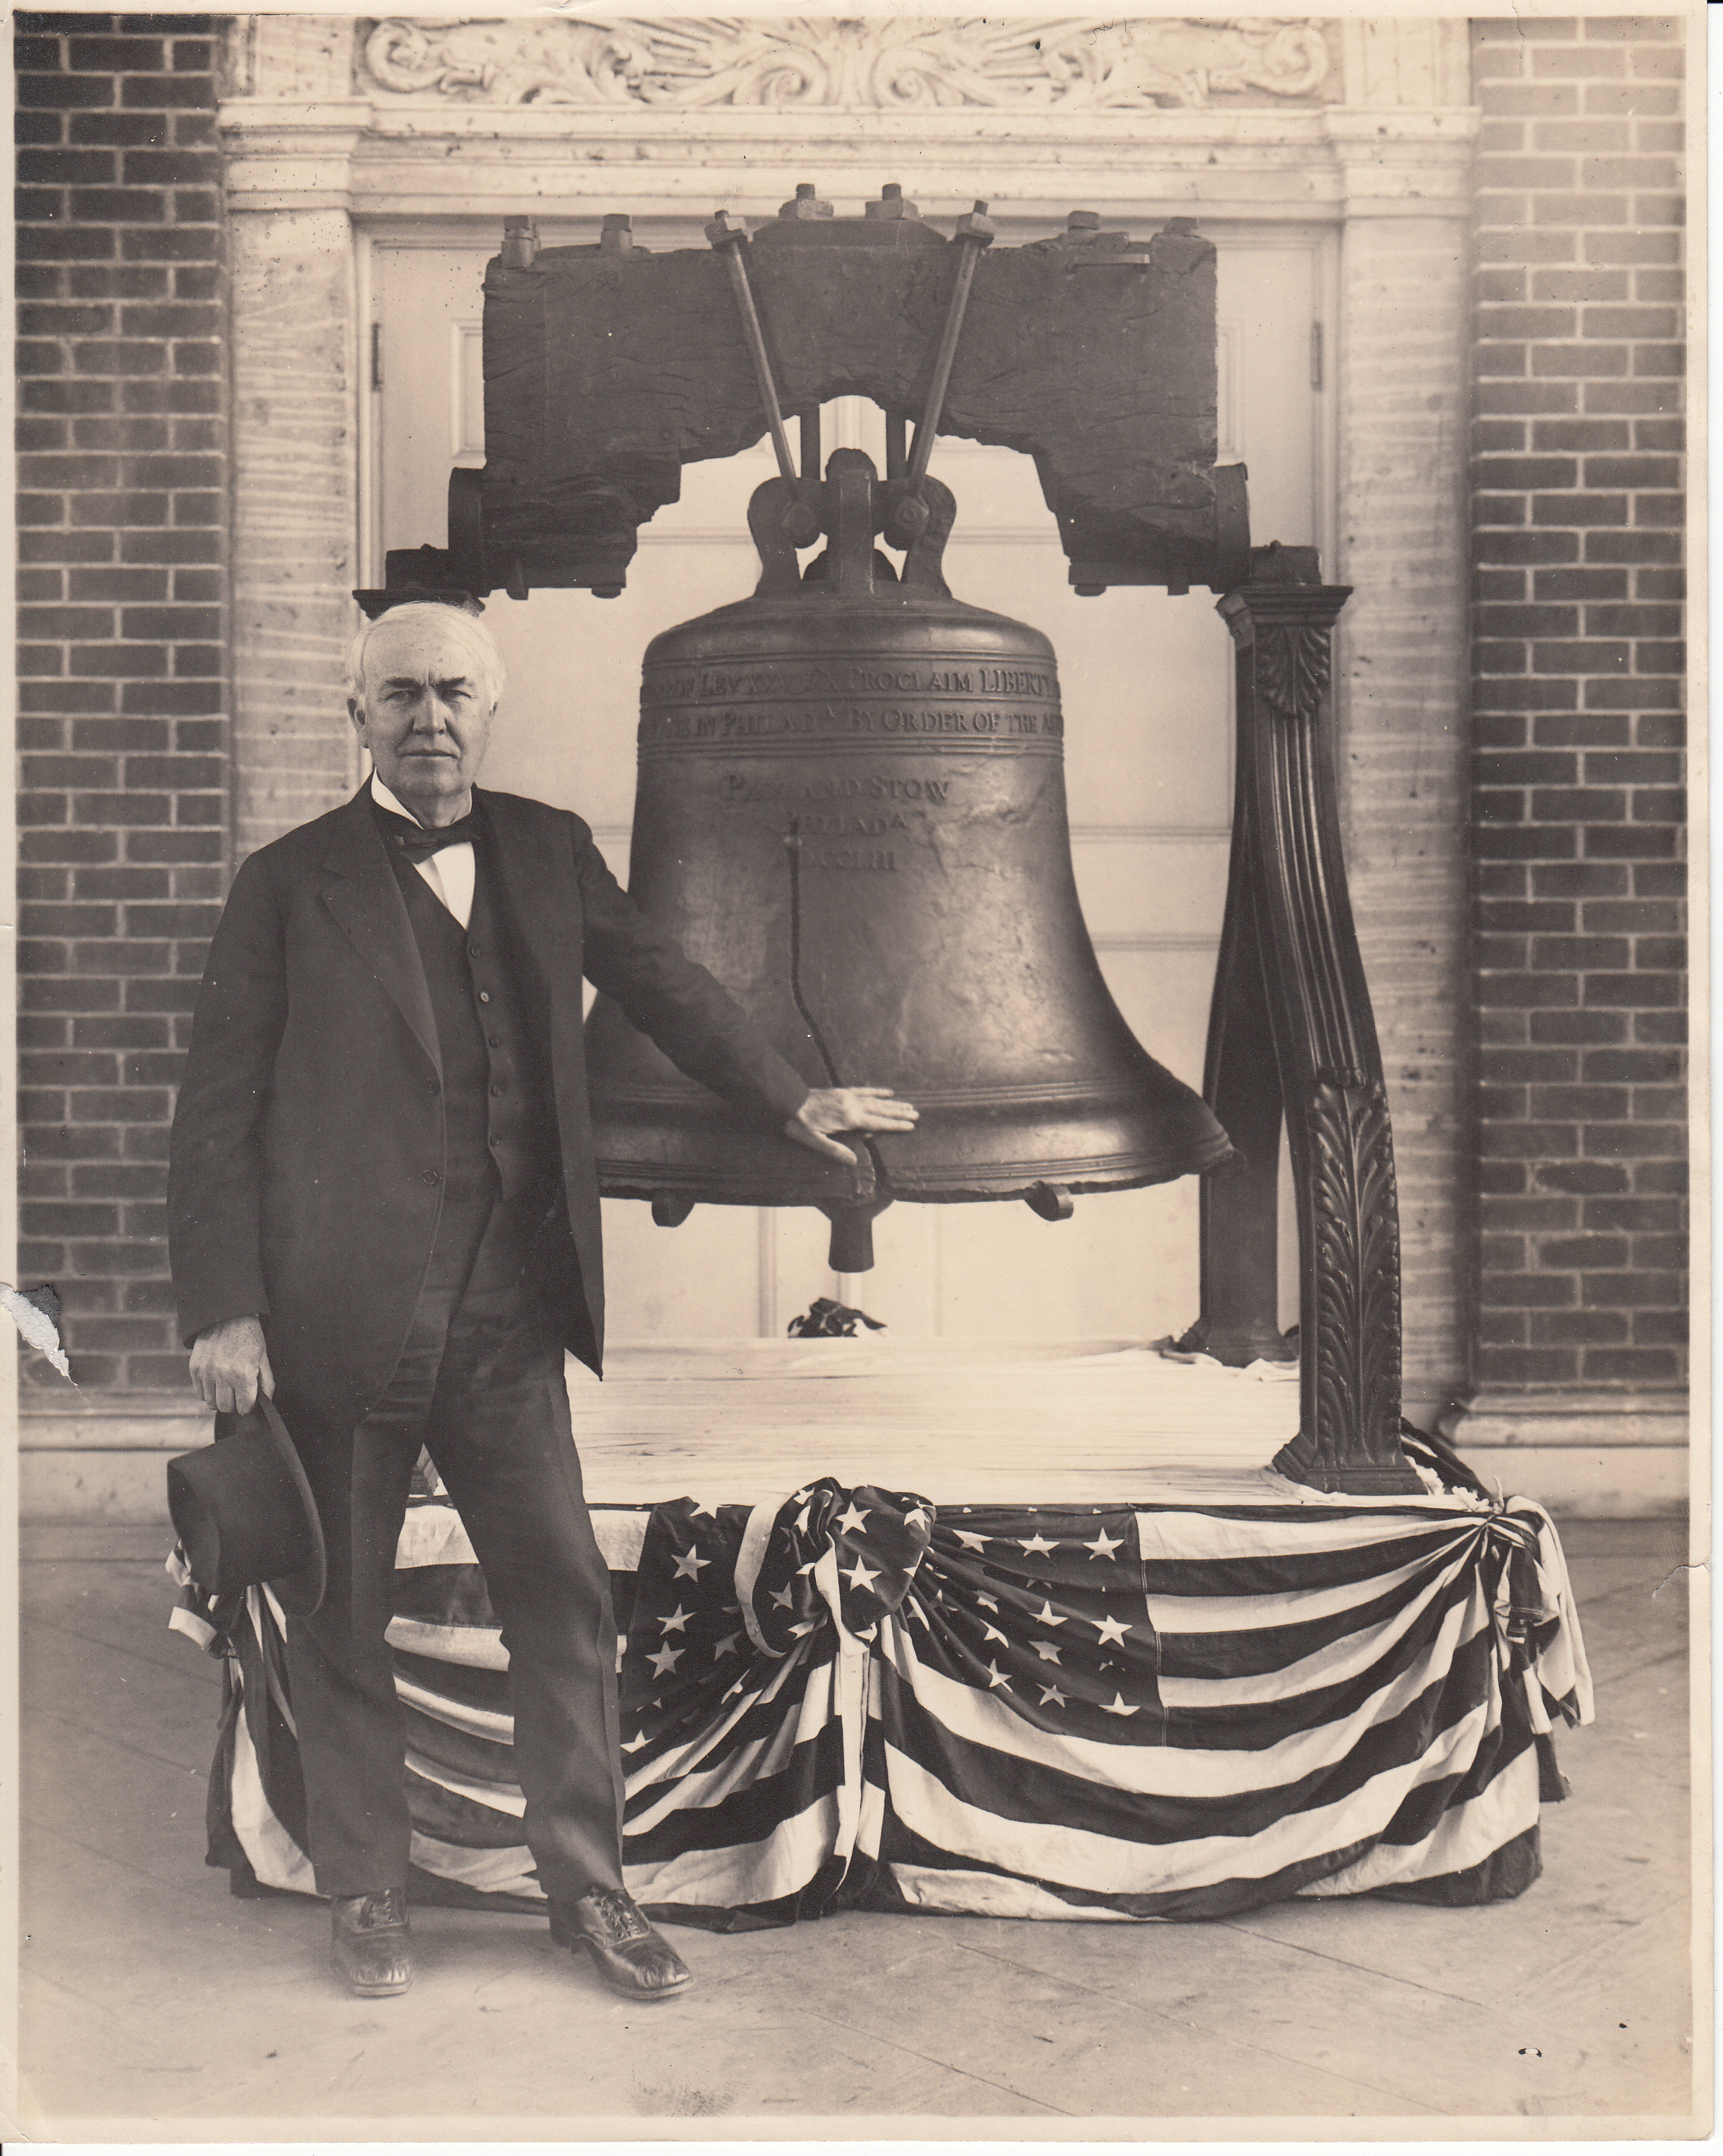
290,125
1401,685
295,513
296,59
1395,64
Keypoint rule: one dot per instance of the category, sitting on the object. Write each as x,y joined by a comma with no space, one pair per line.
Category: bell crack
872,1187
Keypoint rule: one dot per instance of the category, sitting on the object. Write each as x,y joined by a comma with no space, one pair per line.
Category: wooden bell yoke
608,367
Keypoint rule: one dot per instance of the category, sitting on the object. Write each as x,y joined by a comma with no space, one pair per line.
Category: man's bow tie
417,843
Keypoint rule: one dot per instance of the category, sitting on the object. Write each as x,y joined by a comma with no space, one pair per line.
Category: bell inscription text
843,722
834,704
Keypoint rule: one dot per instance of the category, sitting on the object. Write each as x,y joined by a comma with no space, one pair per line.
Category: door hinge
376,355
1315,355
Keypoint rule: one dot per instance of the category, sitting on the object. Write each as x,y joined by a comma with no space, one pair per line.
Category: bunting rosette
743,1689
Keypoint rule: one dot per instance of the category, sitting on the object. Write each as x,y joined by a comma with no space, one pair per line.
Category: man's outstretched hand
230,1366
846,1108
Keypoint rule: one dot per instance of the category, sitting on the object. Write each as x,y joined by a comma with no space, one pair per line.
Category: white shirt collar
380,792
452,873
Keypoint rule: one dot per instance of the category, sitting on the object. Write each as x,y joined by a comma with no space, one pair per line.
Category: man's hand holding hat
230,1366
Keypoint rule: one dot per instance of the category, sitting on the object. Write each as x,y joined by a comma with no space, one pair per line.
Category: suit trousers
479,1385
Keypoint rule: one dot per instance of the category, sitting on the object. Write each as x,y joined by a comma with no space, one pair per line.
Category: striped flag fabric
851,1698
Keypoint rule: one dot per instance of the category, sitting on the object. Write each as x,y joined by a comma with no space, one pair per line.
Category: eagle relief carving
1056,65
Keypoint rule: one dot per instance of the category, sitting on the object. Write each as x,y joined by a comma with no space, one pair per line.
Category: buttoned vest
499,1119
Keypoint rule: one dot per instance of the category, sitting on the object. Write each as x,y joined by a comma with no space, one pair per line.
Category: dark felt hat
244,1513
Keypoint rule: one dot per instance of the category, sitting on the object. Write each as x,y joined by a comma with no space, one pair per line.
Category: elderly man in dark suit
384,1213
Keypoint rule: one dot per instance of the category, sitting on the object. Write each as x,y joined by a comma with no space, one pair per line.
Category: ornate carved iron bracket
1291,1035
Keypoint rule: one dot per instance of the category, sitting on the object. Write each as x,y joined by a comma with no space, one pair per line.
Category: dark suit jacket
308,1146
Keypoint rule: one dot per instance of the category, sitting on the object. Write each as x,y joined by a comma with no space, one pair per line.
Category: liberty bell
851,809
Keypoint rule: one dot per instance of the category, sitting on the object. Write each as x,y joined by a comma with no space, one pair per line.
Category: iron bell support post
1239,1201
1291,1033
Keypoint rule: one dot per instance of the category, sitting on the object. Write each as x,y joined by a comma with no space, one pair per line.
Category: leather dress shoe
630,1955
370,1947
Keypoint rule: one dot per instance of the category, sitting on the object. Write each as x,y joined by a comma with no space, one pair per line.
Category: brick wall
122,507
1577,693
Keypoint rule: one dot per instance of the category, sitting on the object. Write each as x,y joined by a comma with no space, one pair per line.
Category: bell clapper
1050,1201
852,1246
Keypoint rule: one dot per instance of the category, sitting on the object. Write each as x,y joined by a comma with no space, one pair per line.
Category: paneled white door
1147,693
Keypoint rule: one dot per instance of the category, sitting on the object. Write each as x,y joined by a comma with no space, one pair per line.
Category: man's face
425,716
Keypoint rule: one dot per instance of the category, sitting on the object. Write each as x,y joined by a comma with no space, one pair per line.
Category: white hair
466,629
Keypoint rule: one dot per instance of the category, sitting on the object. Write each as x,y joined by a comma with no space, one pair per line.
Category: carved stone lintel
892,64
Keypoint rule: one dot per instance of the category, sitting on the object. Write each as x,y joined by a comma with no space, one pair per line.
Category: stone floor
153,2005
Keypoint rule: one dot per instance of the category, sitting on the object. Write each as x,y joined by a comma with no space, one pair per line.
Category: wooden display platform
971,1421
